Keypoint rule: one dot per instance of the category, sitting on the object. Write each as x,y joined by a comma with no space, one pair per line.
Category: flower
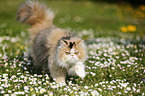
42,90
124,29
2,91
118,92
47,77
19,92
143,79
95,93
99,89
21,47
93,73
123,84
131,28
9,91
96,85
86,87
128,88
33,95
26,87
31,89
35,75
51,94
138,90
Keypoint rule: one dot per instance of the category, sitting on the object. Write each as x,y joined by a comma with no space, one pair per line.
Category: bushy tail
35,14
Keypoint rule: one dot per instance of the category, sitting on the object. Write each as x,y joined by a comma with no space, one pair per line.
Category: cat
52,48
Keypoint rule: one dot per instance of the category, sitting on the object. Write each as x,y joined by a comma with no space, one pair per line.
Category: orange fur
35,14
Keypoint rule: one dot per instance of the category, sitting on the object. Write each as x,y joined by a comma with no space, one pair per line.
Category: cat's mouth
72,60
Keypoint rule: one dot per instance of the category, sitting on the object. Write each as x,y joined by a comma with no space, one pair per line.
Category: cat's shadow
38,70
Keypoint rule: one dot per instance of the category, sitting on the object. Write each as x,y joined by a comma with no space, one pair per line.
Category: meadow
115,39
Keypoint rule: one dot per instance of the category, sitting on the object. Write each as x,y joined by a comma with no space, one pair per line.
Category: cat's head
71,51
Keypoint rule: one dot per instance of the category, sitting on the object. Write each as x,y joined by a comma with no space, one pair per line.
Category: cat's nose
72,55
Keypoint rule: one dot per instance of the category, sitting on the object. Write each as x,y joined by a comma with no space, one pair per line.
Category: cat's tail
35,14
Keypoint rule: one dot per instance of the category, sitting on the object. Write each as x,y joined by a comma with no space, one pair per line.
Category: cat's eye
77,53
67,53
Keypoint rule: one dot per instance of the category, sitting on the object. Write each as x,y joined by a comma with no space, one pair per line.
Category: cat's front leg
78,69
58,74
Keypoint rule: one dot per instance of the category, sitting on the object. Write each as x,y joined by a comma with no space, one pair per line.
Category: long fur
52,48
35,14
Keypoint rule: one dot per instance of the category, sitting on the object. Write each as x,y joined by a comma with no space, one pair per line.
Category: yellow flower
21,47
31,89
42,90
131,28
51,94
124,29
47,77
47,82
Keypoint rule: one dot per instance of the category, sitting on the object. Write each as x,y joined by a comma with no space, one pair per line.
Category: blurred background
103,18
107,17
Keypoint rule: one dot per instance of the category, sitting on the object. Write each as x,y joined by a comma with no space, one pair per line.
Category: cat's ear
63,42
80,42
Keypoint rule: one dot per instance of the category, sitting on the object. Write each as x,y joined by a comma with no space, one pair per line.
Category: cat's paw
80,71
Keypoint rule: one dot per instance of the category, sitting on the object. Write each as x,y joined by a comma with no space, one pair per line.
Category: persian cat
52,48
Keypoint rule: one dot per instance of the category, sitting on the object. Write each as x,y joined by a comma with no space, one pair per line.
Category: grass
115,66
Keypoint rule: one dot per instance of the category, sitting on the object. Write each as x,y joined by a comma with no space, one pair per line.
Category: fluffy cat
52,48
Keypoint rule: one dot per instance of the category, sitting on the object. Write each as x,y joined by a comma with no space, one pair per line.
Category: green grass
115,66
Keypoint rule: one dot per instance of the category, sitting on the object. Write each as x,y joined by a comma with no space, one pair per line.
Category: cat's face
71,51
71,56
